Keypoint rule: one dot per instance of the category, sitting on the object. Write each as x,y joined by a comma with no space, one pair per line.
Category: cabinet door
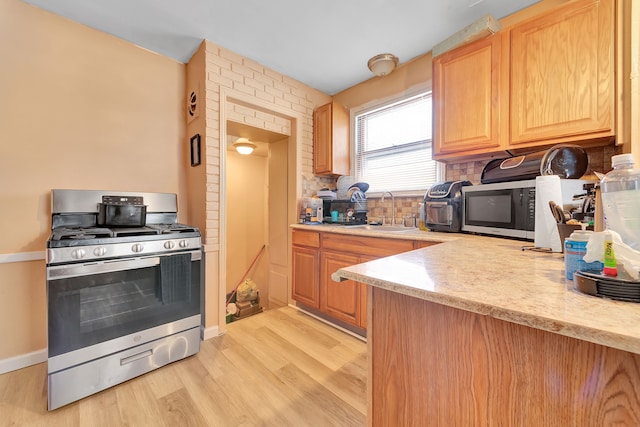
469,86
562,74
340,300
322,152
331,150
305,283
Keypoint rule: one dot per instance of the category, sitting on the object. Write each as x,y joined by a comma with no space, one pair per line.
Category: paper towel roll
546,228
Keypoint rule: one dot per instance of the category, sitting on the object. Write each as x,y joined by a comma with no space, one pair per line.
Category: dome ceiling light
383,64
244,146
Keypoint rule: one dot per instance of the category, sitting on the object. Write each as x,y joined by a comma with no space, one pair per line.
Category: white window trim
354,112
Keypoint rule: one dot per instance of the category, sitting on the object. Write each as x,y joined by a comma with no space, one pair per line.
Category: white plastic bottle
621,199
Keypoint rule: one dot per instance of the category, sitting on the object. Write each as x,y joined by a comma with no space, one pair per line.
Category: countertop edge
442,274
410,234
573,330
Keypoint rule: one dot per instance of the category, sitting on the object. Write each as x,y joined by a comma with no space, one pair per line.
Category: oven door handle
57,272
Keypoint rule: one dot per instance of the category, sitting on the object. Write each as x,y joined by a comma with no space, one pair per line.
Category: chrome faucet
393,206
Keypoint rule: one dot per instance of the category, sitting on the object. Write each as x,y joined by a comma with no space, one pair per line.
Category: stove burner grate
70,236
173,228
80,233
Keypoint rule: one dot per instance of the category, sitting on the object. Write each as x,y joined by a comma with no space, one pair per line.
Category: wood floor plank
262,389
353,342
253,338
321,405
164,382
137,404
348,381
317,346
101,410
277,368
177,409
216,407
23,400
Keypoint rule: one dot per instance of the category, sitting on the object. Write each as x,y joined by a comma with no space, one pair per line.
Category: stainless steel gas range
124,284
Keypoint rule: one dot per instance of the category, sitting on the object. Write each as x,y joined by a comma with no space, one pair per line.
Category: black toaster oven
443,206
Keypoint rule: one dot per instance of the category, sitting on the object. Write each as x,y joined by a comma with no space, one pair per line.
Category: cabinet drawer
306,238
374,246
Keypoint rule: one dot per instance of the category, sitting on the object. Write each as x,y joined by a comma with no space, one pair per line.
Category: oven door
103,301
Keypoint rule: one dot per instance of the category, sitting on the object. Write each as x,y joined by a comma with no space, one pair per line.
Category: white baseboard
22,361
211,332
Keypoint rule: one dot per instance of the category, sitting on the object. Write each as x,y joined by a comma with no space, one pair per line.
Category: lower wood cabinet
305,278
317,255
306,264
339,299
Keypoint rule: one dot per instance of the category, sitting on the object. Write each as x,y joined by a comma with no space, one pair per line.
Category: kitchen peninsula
476,331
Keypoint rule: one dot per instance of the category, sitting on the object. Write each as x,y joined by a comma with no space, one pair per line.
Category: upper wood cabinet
469,84
562,74
546,80
331,140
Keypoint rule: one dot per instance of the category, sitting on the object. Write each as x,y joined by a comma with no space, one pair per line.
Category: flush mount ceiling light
383,64
244,146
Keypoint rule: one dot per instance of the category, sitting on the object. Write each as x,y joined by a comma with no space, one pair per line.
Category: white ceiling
324,43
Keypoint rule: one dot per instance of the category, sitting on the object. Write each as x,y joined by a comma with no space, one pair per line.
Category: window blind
393,146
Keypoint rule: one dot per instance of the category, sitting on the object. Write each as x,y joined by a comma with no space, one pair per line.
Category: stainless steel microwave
501,209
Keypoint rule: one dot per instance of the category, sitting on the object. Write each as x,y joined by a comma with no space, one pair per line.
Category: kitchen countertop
496,277
406,234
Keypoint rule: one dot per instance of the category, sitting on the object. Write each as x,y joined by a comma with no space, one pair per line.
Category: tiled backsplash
599,161
405,206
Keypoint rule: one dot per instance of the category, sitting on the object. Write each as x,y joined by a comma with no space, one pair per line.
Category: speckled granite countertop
374,231
495,277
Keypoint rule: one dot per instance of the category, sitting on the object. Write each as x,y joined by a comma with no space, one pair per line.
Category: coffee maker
351,211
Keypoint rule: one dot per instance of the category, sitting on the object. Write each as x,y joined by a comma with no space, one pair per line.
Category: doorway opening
256,221
258,200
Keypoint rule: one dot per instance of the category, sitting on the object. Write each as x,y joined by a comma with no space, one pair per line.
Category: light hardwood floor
278,368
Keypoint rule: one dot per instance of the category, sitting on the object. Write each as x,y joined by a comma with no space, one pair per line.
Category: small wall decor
195,150
192,104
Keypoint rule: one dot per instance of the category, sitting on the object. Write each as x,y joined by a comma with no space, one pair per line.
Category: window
393,146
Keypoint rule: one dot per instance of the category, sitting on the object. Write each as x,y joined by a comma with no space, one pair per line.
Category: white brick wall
258,119
230,70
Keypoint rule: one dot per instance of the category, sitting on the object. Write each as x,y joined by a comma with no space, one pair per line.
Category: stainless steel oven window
96,302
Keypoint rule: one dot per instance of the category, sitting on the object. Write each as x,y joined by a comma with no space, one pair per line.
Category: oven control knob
183,243
77,253
169,244
100,251
138,247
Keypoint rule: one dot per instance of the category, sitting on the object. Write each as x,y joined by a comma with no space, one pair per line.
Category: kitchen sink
385,228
